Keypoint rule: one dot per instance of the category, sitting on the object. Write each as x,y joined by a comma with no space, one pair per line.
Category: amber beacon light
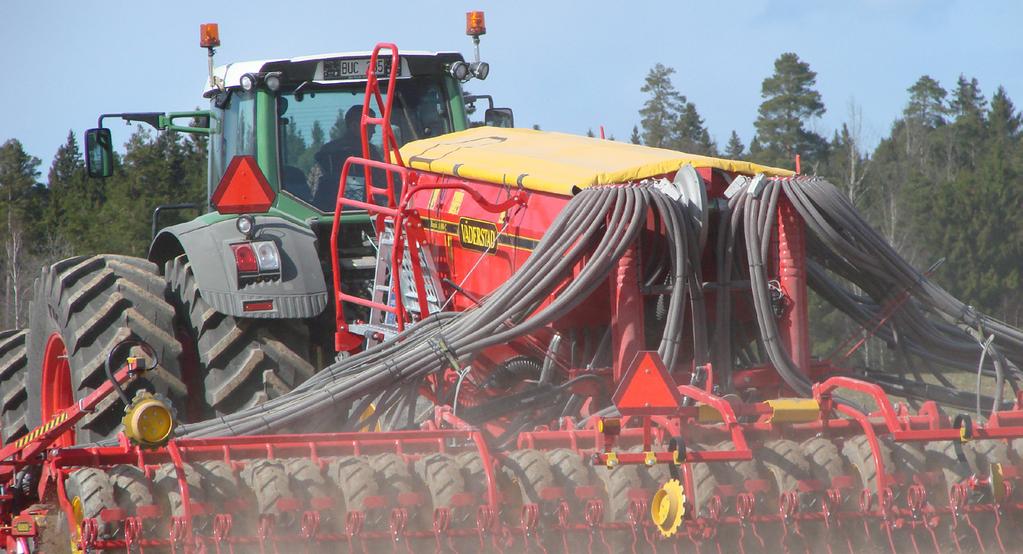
209,35
475,24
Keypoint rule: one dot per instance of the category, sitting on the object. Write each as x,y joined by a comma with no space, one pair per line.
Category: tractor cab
300,118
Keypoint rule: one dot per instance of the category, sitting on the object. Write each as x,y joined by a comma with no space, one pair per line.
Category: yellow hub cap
79,514
148,421
668,507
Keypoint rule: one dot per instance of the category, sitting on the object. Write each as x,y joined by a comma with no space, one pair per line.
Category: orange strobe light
209,35
475,24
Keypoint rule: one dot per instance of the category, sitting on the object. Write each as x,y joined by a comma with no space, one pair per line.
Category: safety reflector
243,189
647,388
258,305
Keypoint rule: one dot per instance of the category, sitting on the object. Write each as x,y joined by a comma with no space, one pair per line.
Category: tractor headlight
481,70
273,81
460,71
267,256
248,82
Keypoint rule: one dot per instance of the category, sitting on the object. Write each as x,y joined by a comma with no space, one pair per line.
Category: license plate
341,70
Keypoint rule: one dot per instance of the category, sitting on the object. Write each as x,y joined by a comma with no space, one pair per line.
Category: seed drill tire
857,452
93,303
133,489
530,471
306,479
218,481
570,472
93,488
441,478
168,489
13,396
354,480
267,480
618,481
785,462
243,361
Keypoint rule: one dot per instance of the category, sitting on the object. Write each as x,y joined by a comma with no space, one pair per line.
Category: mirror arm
168,122
155,119
161,121
472,98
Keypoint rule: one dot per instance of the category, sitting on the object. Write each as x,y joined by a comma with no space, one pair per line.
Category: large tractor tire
13,397
83,308
243,362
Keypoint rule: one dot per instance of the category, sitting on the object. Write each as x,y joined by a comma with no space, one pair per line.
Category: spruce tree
691,136
668,119
634,138
735,148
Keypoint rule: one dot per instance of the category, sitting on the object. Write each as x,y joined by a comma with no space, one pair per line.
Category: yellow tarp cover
553,162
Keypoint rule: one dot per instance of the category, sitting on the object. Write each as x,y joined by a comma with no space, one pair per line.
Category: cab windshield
319,130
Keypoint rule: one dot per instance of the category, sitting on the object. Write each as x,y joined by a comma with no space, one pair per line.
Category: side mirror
99,153
499,117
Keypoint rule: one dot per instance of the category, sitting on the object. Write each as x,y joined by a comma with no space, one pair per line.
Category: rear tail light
256,261
245,258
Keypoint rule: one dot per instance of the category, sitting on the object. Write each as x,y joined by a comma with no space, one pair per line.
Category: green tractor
236,302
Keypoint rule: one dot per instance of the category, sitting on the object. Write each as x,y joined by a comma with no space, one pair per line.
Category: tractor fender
301,291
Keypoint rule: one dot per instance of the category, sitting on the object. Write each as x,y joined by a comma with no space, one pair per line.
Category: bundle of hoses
955,336
575,256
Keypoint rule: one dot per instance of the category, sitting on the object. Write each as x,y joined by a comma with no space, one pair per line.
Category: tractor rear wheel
13,397
83,308
243,362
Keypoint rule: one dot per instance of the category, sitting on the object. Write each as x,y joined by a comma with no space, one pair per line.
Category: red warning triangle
243,189
647,388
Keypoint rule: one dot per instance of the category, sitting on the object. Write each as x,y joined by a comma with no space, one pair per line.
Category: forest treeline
945,183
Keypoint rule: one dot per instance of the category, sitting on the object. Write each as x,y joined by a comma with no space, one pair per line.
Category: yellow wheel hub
997,482
78,510
149,421
668,507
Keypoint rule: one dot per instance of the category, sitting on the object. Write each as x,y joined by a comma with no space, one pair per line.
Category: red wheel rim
58,393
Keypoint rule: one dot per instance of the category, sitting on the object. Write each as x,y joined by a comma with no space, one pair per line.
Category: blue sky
567,66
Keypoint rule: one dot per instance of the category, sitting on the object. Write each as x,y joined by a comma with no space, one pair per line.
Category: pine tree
735,148
659,114
790,101
635,138
926,103
925,113
589,133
